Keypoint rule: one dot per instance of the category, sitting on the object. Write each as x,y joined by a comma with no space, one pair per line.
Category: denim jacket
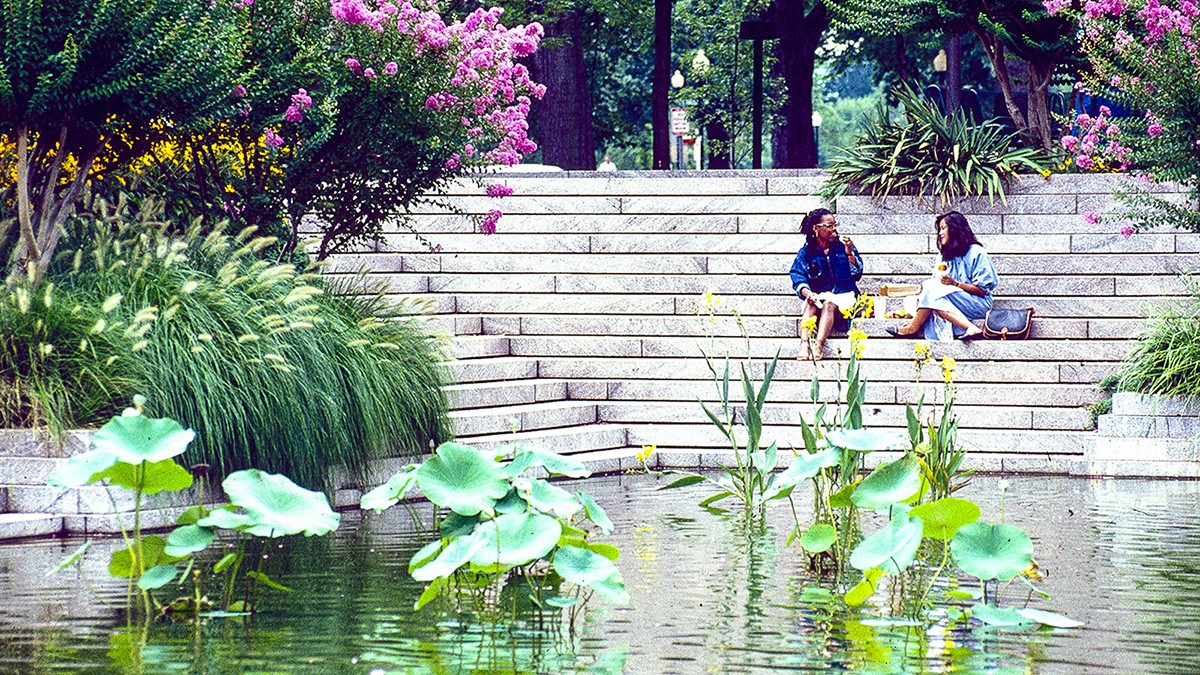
819,272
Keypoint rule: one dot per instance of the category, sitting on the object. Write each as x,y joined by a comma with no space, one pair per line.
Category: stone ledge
1148,426
1128,403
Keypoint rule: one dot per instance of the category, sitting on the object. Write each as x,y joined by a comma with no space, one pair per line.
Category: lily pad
123,562
555,464
889,484
136,438
456,554
157,577
816,595
588,568
552,500
1049,618
188,539
868,440
595,513
891,549
943,517
802,468
79,470
992,551
460,478
391,492
819,538
276,506
864,589
150,477
1000,616
516,539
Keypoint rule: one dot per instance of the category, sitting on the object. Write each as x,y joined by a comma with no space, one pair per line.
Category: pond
1123,556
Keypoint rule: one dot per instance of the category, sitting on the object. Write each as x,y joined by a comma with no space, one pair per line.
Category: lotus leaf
889,484
456,554
136,438
454,525
122,564
868,440
561,602
864,589
892,548
71,559
555,464
509,503
150,477
588,568
552,500
231,520
1049,618
428,552
1000,616
516,539
462,479
157,577
816,595
188,539
594,513
992,551
79,470
390,493
802,468
819,538
266,581
276,504
943,517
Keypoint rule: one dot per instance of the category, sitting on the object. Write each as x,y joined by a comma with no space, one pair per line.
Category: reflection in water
707,596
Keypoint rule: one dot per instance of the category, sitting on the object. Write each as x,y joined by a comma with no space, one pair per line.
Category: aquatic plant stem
937,573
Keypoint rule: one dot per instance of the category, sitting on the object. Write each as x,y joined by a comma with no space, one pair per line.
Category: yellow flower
923,351
1068,162
858,341
646,451
948,365
710,301
1045,173
1062,167
808,323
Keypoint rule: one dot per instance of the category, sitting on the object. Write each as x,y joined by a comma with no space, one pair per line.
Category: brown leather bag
1008,324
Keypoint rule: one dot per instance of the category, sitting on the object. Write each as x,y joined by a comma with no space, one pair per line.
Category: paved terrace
576,323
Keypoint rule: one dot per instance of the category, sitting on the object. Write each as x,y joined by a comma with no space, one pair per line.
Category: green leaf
596,514
841,498
868,440
816,595
71,559
992,551
709,501
136,438
151,478
516,539
267,581
188,539
892,548
973,594
802,468
157,577
588,568
554,464
607,550
1049,618
276,506
561,602
391,492
431,591
688,479
428,552
1000,616
123,562
943,517
864,589
889,484
462,479
230,520
551,499
454,525
225,562
456,554
79,470
191,515
819,538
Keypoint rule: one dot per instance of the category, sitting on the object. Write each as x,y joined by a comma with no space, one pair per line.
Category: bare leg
805,338
829,314
916,323
959,319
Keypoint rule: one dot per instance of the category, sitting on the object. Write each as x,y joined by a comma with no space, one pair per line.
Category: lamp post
757,31
679,123
816,125
700,66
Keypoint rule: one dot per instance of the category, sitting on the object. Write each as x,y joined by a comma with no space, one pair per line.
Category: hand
849,243
949,280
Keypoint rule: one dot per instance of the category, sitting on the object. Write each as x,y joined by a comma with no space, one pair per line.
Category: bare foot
819,352
805,352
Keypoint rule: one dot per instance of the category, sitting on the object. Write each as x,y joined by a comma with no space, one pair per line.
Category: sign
679,122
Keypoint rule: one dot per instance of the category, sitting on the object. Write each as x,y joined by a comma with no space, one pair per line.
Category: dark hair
961,237
810,222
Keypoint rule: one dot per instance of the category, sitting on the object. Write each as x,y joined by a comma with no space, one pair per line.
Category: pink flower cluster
1097,140
271,138
1094,9
1056,6
1160,20
489,91
301,101
488,226
498,191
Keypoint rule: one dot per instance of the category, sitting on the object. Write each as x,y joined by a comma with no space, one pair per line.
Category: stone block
26,525
1150,286
563,441
1115,243
557,242
519,204
786,204
1114,329
800,185
491,394
478,346
509,283
1085,373
110,523
1187,243
1056,285
621,183
1129,403
485,370
550,390
587,390
1069,184
1014,203
655,325
430,224
523,417
501,325
1143,469
607,346
1148,426
41,499
3,500
1110,205
612,223
1068,419
1110,449
26,470
693,285
563,303
551,263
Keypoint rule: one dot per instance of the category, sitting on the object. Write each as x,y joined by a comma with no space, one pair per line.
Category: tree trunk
1038,91
954,64
563,118
719,149
794,145
902,71
995,53
659,114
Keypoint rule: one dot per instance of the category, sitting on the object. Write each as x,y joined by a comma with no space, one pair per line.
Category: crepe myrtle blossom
488,225
1126,231
1091,217
271,138
498,190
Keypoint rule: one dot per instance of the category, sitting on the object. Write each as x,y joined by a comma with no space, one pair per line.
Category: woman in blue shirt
946,310
824,275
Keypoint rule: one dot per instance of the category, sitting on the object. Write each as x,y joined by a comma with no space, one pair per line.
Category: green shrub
929,154
1165,360
273,367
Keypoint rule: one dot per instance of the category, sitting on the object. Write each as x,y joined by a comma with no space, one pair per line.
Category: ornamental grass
1165,360
272,365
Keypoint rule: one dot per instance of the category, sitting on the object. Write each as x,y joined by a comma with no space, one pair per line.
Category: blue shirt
819,272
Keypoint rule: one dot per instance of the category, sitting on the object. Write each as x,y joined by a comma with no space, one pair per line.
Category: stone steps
528,417
25,525
568,441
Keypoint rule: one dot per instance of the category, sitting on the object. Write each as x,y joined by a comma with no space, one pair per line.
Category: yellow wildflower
808,323
1046,173
948,365
645,453
710,301
858,341
923,351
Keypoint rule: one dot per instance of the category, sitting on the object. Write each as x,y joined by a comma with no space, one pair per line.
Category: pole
758,103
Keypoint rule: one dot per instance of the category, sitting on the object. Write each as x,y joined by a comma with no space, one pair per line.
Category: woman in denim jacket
824,276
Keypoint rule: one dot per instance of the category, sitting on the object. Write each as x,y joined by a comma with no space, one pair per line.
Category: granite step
505,393
565,441
479,346
26,470
25,525
1149,426
527,417
493,369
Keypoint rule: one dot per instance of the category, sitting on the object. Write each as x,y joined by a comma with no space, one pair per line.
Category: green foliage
503,524
1165,360
928,154
272,366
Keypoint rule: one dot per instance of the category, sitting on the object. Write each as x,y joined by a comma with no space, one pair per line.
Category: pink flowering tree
1144,54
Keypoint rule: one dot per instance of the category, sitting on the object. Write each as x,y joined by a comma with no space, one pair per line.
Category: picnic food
899,290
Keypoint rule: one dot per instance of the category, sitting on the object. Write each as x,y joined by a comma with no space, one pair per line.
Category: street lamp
816,125
700,63
939,61
677,80
678,121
